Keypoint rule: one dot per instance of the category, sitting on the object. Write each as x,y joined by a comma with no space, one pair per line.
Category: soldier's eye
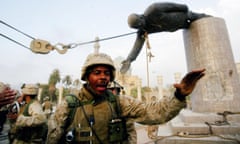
96,72
107,72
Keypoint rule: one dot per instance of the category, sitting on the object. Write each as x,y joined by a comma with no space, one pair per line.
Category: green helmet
98,59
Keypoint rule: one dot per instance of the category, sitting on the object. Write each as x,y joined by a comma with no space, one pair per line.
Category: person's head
46,98
98,70
136,21
115,88
30,90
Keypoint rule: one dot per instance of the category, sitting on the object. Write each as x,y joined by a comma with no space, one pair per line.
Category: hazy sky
76,21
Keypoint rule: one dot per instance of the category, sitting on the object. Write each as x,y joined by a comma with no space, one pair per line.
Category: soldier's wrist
179,96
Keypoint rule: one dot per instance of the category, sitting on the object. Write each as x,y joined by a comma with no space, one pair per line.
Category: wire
16,29
14,41
73,45
69,46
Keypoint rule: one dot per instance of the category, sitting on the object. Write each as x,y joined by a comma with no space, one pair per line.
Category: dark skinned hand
7,96
188,83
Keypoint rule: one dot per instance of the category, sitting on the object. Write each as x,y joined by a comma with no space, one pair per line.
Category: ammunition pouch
117,130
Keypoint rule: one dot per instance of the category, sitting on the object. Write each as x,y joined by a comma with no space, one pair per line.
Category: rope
211,133
187,135
148,47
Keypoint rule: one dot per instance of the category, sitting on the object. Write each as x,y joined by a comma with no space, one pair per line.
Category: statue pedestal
190,127
195,123
207,46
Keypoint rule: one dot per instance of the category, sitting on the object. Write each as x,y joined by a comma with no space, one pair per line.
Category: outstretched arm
188,83
134,52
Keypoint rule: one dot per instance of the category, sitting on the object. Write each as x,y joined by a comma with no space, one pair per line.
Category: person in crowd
13,111
97,116
31,122
47,106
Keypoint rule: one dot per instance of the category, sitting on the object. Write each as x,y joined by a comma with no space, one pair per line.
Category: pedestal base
190,127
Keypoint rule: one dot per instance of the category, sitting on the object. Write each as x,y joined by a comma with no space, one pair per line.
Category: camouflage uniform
132,110
98,110
47,107
31,123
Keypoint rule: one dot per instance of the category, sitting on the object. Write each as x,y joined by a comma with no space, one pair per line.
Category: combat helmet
46,98
30,89
97,59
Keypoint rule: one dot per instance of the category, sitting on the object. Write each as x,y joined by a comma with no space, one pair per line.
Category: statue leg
192,16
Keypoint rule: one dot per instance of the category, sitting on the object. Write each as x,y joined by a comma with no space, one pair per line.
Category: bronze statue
158,17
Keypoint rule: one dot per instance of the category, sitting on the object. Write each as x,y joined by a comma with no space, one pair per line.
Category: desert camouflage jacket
30,127
132,110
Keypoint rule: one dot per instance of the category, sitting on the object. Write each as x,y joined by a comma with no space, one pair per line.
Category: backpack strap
73,103
25,111
114,100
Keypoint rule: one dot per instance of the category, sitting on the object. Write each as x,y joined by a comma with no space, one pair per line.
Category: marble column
207,45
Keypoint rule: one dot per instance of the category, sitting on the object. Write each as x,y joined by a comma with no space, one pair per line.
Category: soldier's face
99,78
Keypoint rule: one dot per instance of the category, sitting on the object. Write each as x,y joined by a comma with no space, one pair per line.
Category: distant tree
45,91
52,81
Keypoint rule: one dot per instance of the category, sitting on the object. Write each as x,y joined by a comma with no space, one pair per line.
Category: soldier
96,116
13,111
47,106
31,122
158,17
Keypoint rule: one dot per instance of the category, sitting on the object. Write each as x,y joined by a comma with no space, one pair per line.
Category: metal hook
44,47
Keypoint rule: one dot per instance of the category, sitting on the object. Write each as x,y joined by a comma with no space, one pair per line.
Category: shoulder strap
25,111
114,100
73,103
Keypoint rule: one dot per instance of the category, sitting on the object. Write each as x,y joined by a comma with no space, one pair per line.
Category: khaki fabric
132,110
96,59
33,124
30,89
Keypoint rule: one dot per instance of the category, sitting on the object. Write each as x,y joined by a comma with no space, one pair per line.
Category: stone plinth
194,123
207,46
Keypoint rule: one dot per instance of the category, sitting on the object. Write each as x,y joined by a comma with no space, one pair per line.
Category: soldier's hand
7,96
188,83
